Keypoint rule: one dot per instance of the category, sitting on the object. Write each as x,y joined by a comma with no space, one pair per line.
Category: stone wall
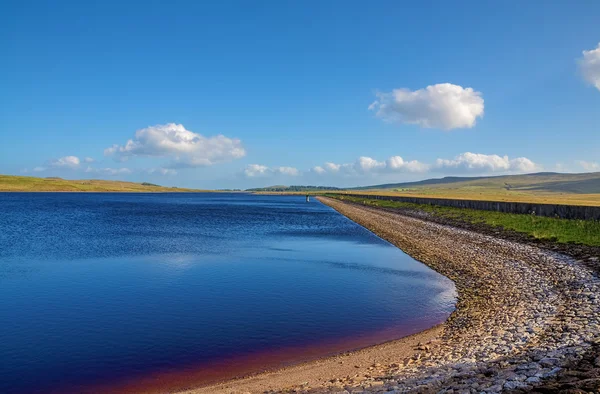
551,210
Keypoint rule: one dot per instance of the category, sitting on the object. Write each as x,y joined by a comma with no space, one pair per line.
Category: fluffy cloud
257,170
589,166
589,65
161,171
71,162
397,163
88,160
108,171
185,148
287,171
66,162
465,162
444,106
367,165
332,167
480,163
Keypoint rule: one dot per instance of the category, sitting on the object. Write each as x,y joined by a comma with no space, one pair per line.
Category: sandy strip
353,365
523,315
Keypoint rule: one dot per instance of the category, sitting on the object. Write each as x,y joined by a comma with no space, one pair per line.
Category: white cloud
258,170
161,171
589,65
88,160
108,171
589,166
444,106
39,169
185,148
286,171
396,163
332,167
481,163
71,162
367,165
318,170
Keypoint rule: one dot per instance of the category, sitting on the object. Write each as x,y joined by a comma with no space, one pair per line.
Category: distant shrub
149,184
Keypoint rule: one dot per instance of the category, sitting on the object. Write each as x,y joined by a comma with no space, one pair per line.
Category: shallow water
115,288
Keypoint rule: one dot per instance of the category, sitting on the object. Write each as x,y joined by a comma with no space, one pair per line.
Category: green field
586,232
10,183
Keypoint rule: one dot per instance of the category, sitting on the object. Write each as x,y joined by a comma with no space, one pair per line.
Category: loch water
103,288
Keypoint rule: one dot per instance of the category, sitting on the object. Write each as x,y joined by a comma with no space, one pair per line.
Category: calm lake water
103,289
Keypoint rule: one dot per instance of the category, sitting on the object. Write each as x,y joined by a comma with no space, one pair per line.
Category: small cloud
318,170
589,166
589,65
71,162
443,106
286,171
161,171
108,171
258,170
88,160
481,163
183,147
332,167
367,164
39,169
396,163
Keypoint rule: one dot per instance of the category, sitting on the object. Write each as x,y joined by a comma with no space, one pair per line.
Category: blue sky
329,92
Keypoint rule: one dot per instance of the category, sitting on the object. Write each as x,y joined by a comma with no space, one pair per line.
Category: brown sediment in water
351,363
259,363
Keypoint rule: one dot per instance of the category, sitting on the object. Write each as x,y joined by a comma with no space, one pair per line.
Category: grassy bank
10,183
586,232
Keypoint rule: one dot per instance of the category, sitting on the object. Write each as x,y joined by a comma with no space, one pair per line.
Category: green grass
586,232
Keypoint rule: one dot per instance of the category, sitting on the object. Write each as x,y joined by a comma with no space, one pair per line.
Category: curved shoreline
523,315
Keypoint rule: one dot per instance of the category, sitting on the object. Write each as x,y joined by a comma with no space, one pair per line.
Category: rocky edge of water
527,319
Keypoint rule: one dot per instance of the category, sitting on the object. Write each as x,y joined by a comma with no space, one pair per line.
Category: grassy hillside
10,183
586,232
551,188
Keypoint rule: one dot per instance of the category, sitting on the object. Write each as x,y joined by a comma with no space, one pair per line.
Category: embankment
562,211
527,320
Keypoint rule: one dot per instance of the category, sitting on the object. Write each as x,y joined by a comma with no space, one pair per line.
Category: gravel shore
527,320
524,315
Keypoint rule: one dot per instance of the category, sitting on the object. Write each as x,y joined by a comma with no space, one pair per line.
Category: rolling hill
543,181
543,187
11,183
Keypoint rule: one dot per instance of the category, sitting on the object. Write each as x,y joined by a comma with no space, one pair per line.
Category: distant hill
543,187
544,181
425,182
10,183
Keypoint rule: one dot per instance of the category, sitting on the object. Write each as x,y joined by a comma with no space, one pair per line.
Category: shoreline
524,317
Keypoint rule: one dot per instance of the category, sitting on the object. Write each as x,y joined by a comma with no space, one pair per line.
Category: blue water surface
96,287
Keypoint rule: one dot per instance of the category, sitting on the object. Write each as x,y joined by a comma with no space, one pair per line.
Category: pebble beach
526,320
